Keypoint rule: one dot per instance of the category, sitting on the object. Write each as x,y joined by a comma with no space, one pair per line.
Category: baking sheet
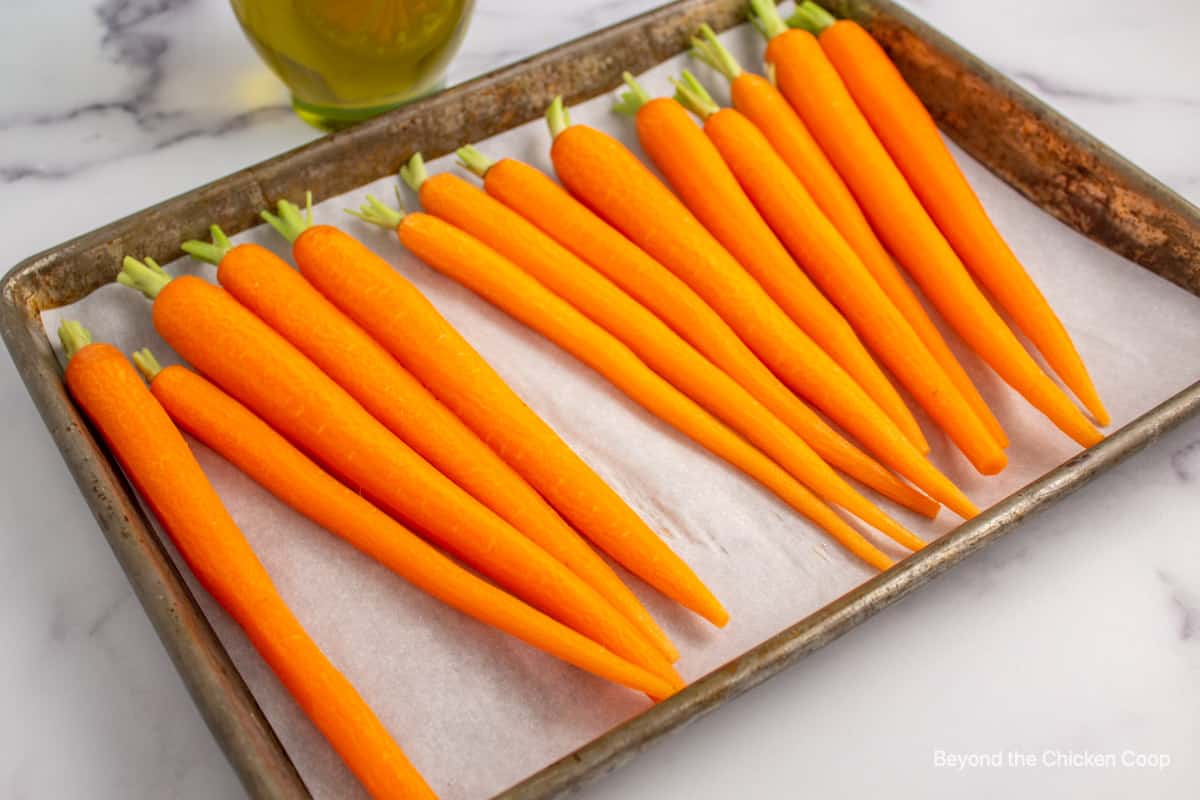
477,711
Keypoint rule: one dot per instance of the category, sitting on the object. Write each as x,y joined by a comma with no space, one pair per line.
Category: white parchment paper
476,710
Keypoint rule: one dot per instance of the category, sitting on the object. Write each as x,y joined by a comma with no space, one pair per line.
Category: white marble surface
1078,634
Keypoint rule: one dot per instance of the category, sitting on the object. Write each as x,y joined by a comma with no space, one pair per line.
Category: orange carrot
250,361
287,302
694,168
233,431
543,202
483,270
602,173
812,86
758,99
392,310
546,286
912,139
157,460
818,246
492,275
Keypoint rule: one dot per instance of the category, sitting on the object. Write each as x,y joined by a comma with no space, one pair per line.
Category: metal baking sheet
1057,166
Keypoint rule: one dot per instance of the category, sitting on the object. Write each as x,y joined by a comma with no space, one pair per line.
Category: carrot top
146,276
706,47
633,98
811,17
558,118
765,16
146,363
210,252
289,222
472,159
692,95
74,337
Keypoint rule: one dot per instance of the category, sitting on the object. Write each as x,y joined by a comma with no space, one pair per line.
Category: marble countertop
1075,638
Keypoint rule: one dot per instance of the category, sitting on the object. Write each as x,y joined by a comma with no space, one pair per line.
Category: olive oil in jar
346,60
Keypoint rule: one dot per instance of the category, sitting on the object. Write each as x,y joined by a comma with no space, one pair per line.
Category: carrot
601,324
514,286
488,273
695,170
543,202
812,86
391,309
758,99
817,245
250,361
912,139
233,431
157,460
602,173
287,302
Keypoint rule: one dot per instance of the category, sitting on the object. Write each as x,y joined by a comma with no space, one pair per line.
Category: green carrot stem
692,95
146,364
558,118
765,16
290,222
474,160
211,252
413,173
379,213
706,47
633,98
811,17
74,337
147,277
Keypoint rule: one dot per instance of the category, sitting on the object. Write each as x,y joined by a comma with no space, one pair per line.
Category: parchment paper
476,710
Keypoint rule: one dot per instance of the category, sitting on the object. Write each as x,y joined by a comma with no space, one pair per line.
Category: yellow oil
345,60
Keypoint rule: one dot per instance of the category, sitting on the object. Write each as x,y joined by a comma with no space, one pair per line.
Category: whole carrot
234,432
503,283
761,102
543,202
602,173
250,361
912,139
483,270
287,302
812,86
579,309
824,254
400,318
694,168
157,460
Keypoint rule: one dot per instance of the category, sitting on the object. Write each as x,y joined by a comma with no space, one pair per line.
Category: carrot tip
74,337
1097,410
717,615
925,506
